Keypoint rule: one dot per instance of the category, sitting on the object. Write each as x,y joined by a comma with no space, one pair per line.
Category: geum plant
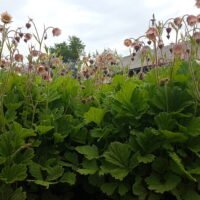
131,139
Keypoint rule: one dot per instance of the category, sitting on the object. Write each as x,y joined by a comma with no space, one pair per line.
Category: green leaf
9,144
95,115
68,177
145,158
89,167
7,193
123,189
54,172
24,157
164,121
109,188
180,166
22,132
195,171
90,152
116,172
14,173
42,183
190,194
118,154
44,129
162,184
139,188
119,159
174,136
193,128
35,171
18,194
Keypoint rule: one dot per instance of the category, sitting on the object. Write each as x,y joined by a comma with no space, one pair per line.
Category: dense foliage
129,140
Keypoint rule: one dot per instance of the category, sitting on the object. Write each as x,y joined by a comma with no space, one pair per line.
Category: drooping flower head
197,3
192,20
178,49
152,33
19,57
6,18
196,36
56,31
127,42
27,36
178,22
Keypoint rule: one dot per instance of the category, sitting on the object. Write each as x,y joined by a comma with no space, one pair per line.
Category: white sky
99,24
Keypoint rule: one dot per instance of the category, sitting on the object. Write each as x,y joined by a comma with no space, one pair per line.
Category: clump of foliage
130,139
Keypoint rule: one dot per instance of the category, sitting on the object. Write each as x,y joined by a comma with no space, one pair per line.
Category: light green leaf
24,157
35,171
68,177
23,132
193,128
181,167
44,129
116,172
164,121
146,158
118,154
174,136
18,194
90,152
162,184
42,183
54,172
14,173
195,171
109,188
95,115
89,167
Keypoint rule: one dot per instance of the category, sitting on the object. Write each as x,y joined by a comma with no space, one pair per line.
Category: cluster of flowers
100,66
38,60
153,40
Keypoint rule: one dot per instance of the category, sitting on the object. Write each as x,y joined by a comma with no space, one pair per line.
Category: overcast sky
99,24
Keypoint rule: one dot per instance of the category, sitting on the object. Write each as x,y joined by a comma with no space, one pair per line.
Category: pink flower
56,31
152,33
178,22
127,42
191,20
178,49
19,57
6,18
27,36
197,3
196,36
198,18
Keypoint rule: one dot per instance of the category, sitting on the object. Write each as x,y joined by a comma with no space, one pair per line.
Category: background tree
71,51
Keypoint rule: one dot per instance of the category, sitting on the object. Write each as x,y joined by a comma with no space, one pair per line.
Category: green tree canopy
71,51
